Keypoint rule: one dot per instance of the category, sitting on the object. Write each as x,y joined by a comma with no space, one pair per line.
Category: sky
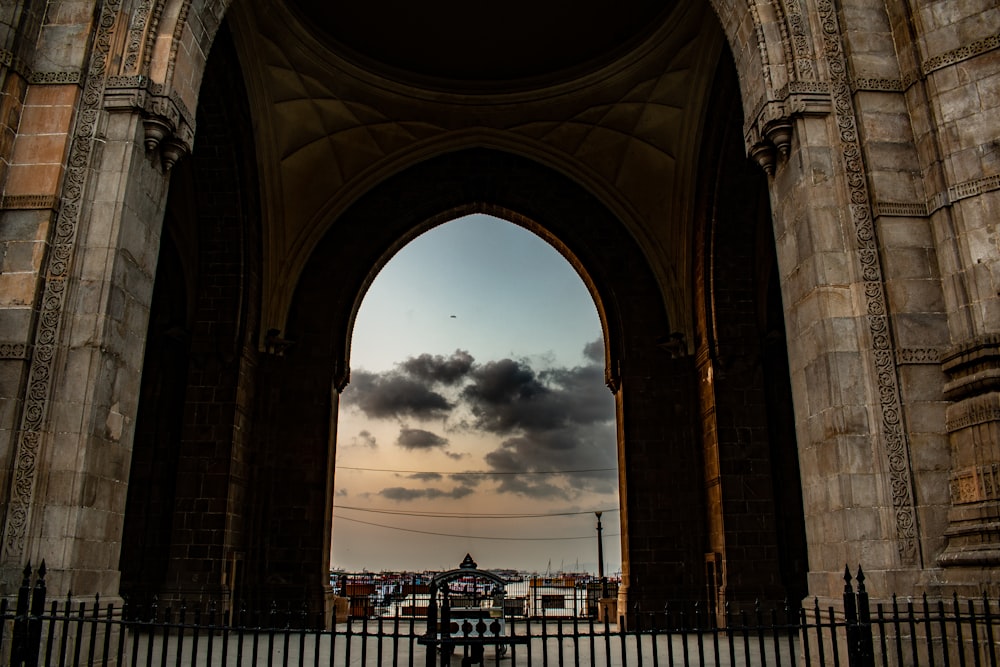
476,420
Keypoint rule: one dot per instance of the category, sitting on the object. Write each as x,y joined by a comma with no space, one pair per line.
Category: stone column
90,198
955,106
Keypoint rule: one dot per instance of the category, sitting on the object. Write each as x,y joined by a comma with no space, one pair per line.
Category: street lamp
600,557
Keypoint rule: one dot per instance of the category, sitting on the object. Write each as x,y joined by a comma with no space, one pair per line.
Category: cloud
438,369
506,396
594,350
557,424
394,395
585,455
416,438
426,476
400,493
364,439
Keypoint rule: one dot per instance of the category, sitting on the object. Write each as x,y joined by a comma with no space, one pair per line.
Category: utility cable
465,515
485,473
472,537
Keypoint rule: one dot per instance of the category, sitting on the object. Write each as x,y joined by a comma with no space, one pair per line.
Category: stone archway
644,377
880,189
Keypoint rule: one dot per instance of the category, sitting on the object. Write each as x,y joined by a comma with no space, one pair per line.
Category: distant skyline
477,388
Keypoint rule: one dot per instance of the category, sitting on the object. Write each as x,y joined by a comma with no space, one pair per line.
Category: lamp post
600,557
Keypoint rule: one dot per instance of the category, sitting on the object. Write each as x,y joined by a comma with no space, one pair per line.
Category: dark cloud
393,395
508,396
436,368
400,493
416,438
594,351
364,439
555,422
585,456
426,476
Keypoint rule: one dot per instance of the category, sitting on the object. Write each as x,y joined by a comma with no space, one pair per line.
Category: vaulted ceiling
344,95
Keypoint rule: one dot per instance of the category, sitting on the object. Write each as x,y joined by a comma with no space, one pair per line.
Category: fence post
857,616
27,638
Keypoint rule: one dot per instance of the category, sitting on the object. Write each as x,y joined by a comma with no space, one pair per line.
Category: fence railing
532,596
857,634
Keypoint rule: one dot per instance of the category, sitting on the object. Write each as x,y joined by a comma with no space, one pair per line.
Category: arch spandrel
610,262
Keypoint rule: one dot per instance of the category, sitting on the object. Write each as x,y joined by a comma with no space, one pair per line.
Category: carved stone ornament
168,126
768,135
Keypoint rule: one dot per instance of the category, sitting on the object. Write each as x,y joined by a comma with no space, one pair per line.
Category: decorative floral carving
136,30
893,435
976,484
918,355
961,53
13,351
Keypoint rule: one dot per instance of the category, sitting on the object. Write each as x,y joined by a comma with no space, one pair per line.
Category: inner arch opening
476,419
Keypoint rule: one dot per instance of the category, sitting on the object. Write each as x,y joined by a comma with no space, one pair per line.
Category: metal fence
856,634
532,596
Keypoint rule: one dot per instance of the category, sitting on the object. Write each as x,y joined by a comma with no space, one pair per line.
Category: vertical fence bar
364,640
622,637
35,617
896,631
196,635
347,641
181,620
210,638
959,638
591,641
882,623
774,636
833,637
670,635
122,631
911,623
81,614
946,653
804,626
974,631
92,644
988,618
638,637
790,625
928,631
761,641
224,621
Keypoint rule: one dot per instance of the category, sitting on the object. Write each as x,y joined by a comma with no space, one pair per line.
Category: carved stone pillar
973,423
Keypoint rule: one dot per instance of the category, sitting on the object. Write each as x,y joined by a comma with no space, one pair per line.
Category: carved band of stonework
28,202
52,303
973,369
974,410
918,355
964,190
168,125
893,435
900,209
976,484
13,351
961,53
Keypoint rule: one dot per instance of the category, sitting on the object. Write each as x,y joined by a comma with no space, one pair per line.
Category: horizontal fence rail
892,633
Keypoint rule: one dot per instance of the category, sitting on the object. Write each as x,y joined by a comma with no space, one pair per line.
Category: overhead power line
467,515
480,472
473,537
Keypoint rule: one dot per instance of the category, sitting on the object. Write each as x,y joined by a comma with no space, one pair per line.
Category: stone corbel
769,133
168,127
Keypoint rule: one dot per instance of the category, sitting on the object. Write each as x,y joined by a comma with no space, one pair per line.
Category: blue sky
476,350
